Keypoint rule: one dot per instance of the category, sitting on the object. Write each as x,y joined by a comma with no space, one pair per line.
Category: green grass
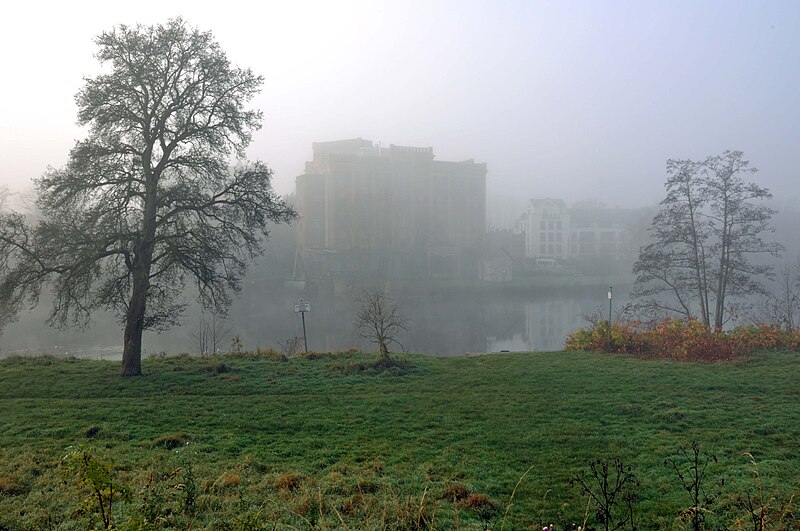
303,443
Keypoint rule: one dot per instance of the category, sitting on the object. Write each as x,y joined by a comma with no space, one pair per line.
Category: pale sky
570,99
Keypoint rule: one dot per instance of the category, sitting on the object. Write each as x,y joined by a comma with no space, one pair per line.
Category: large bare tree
157,196
708,241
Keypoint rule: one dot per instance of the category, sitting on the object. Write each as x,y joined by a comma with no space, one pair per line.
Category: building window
558,225
543,249
550,248
542,225
550,225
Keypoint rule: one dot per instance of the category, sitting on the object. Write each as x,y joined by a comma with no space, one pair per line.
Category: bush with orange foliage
681,340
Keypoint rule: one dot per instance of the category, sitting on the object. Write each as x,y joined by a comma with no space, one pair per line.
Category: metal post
305,341
303,317
610,299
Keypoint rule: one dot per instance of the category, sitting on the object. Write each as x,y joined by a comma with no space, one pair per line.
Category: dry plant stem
421,506
511,499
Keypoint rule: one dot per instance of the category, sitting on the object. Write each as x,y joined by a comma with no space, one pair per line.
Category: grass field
244,442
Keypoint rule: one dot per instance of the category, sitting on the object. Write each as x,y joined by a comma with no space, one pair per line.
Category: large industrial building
389,212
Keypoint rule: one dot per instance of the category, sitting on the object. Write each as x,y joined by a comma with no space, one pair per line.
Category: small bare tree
379,320
291,346
209,333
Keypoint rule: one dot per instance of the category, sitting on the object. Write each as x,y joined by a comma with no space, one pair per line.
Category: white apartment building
554,232
546,225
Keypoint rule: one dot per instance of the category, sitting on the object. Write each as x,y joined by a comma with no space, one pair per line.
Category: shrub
692,470
610,486
380,367
291,346
681,340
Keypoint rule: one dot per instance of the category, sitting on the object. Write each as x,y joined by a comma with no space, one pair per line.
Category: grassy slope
480,421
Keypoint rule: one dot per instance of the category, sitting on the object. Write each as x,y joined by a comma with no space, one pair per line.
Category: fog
578,101
557,98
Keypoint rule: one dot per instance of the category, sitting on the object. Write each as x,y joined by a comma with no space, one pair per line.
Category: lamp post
610,299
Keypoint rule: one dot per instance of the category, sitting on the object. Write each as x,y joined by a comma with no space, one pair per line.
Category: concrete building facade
394,212
554,232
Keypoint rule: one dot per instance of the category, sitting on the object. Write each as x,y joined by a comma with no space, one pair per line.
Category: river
444,322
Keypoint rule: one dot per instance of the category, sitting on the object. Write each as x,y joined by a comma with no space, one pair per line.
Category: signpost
302,308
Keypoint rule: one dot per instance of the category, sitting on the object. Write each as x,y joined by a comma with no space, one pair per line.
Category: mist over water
444,324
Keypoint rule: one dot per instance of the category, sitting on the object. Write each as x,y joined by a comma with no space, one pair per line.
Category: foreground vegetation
331,441
682,340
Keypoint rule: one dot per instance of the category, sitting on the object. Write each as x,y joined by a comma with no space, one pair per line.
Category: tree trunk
384,350
142,262
134,326
724,267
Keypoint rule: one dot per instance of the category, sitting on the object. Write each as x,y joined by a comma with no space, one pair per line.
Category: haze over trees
149,201
708,241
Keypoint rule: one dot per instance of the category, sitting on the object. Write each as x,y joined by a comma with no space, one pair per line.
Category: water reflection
442,324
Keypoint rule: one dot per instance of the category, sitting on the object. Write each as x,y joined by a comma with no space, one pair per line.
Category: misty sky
561,99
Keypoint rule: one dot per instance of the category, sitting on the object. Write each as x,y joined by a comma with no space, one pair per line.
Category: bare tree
291,346
781,307
379,320
210,332
148,201
704,241
7,313
671,270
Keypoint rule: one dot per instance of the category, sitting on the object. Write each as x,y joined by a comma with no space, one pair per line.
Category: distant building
554,232
394,212
604,232
546,226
